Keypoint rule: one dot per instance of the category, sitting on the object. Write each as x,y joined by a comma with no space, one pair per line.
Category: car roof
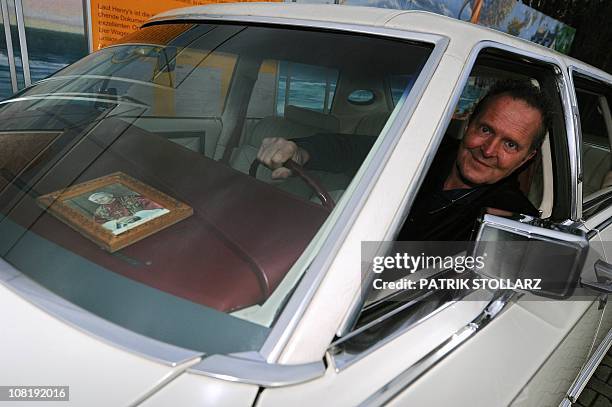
461,34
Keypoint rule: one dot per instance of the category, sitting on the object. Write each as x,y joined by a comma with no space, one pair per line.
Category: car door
508,355
532,351
592,90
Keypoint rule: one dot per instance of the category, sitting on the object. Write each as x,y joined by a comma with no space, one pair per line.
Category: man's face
101,198
498,141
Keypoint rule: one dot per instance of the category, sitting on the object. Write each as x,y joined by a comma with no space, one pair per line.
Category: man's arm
341,153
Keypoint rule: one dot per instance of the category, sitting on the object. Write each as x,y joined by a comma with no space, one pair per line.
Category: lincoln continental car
253,292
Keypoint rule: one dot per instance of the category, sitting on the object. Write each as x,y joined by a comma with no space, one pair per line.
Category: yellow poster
112,19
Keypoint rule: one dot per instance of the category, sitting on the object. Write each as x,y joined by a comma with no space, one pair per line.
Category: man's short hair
528,93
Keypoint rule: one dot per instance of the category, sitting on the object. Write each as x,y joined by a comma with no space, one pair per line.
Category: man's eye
511,145
485,129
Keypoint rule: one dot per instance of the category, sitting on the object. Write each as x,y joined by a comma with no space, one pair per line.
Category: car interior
596,132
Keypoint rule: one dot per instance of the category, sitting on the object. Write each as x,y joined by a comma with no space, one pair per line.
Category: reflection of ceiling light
140,51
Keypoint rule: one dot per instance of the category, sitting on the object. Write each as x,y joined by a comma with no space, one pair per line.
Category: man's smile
478,160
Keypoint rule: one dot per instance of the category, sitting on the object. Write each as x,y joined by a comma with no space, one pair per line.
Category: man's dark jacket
435,214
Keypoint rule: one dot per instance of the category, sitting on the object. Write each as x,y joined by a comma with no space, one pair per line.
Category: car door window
386,310
593,107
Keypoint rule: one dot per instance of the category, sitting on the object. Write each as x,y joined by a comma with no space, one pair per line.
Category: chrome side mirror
522,248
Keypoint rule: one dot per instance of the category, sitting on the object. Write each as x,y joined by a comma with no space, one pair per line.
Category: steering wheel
326,199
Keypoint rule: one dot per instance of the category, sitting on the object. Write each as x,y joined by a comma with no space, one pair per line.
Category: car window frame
364,181
596,79
566,147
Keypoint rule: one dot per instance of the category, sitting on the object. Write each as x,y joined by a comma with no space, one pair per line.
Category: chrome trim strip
576,152
23,44
589,368
565,403
341,361
528,230
390,390
250,371
91,324
603,225
315,273
9,44
602,148
384,317
594,76
574,140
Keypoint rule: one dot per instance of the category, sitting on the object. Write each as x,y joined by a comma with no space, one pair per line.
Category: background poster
509,16
113,19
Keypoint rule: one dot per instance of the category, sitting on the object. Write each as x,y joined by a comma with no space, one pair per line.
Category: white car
248,290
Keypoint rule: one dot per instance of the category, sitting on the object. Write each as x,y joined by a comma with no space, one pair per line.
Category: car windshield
127,180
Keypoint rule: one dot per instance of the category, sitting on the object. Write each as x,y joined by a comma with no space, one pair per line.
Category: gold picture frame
114,211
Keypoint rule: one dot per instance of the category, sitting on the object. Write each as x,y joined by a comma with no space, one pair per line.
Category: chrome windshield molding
376,30
366,178
91,324
390,390
589,368
249,371
565,403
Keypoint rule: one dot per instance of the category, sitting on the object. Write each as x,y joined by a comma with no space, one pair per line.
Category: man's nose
490,147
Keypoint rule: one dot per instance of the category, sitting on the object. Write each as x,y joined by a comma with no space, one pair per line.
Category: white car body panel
493,366
511,360
45,351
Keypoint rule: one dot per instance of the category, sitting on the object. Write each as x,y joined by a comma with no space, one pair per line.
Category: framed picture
115,211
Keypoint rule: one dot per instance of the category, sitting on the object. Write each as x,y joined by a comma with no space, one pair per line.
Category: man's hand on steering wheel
277,154
274,152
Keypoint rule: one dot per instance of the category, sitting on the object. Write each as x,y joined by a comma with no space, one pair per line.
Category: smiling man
503,133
